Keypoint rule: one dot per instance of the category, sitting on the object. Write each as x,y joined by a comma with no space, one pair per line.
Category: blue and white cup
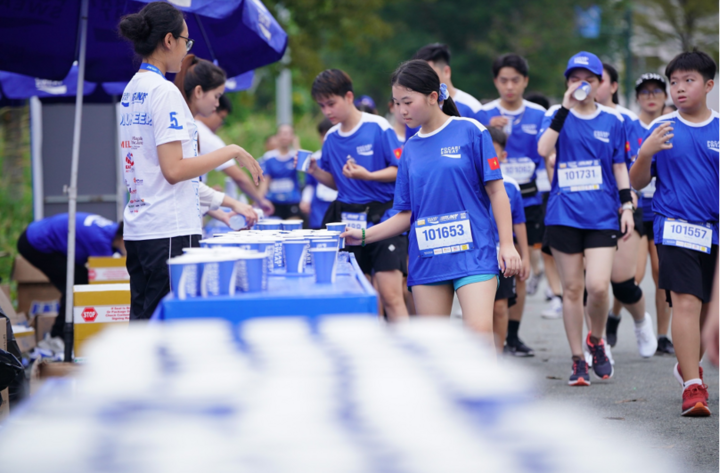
185,274
325,264
582,91
269,224
218,276
303,160
267,246
290,225
252,272
295,255
338,227
323,243
238,222
672,124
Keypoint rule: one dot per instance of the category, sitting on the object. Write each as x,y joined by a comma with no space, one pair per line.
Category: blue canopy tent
44,39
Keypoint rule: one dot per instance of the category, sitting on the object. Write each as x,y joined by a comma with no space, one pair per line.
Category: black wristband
625,196
559,119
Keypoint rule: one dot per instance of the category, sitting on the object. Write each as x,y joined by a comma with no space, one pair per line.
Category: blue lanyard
150,67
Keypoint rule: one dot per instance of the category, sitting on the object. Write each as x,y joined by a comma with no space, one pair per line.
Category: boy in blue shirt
681,151
360,156
520,120
44,245
506,295
316,197
281,185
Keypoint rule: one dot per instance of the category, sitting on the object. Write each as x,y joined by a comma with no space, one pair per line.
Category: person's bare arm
176,169
509,258
394,226
355,171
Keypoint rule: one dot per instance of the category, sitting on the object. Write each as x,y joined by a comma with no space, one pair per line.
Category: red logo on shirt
398,153
639,141
494,163
125,144
89,314
627,146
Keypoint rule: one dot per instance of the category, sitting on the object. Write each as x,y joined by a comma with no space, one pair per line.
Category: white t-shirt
153,112
210,142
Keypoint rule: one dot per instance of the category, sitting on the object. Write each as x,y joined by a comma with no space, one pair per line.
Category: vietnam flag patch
627,146
397,152
494,163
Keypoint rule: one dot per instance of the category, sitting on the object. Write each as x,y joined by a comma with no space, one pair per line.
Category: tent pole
72,190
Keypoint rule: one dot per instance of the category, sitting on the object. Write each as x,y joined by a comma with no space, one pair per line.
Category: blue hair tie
444,95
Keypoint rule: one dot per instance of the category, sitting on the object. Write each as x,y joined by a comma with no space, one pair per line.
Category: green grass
15,206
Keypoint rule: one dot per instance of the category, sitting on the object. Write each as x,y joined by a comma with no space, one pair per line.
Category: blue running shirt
687,175
373,145
646,193
323,196
284,186
523,160
516,204
467,105
584,193
441,180
93,235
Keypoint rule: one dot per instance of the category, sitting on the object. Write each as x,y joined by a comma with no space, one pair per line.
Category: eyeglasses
188,42
648,92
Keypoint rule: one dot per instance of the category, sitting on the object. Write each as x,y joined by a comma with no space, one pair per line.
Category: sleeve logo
397,152
494,163
174,122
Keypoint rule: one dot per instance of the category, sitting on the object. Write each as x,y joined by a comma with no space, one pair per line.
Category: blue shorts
464,281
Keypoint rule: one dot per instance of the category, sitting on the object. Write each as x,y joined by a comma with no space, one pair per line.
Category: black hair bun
135,27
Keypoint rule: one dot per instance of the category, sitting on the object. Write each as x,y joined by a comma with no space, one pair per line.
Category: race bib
280,186
325,194
649,191
354,220
441,234
687,235
542,181
520,169
580,176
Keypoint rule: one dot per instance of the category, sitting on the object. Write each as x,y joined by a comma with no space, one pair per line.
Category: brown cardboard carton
5,393
5,289
32,285
7,307
43,324
44,369
24,272
25,337
96,307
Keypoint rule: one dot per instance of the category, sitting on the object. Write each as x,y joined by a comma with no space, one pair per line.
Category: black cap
650,76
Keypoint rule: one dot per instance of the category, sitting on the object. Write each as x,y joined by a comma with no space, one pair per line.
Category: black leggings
54,266
149,275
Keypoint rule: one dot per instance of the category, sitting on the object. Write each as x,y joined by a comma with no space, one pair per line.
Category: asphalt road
643,396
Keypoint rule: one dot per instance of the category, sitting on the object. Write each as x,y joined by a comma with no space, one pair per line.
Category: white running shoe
533,283
555,309
608,353
549,294
588,355
646,339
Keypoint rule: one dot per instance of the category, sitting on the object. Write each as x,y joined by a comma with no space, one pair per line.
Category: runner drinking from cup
590,180
157,138
448,179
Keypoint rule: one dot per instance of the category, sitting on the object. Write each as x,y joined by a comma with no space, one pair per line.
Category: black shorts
573,240
506,290
385,255
287,211
649,231
687,271
638,220
148,269
535,223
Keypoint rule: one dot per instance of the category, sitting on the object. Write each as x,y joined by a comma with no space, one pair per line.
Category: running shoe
555,309
645,335
549,294
608,352
665,346
579,375
694,401
600,362
678,375
533,282
516,347
613,321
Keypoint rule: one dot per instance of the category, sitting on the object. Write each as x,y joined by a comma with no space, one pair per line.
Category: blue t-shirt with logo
646,193
687,175
373,145
584,193
441,180
523,160
284,187
517,209
468,106
93,235
323,196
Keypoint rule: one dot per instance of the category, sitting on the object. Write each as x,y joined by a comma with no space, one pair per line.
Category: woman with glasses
158,135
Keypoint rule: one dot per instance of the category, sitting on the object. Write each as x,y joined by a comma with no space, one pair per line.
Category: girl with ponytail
158,139
449,177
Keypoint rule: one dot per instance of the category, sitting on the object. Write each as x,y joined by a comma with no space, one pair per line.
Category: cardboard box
107,270
32,285
7,307
25,337
44,369
5,289
43,324
97,306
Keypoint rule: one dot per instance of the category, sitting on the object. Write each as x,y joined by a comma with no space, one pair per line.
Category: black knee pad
627,292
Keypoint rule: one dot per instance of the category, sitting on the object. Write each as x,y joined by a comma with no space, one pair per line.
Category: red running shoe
694,401
678,375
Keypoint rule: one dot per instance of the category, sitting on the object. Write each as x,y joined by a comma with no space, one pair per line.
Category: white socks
690,382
